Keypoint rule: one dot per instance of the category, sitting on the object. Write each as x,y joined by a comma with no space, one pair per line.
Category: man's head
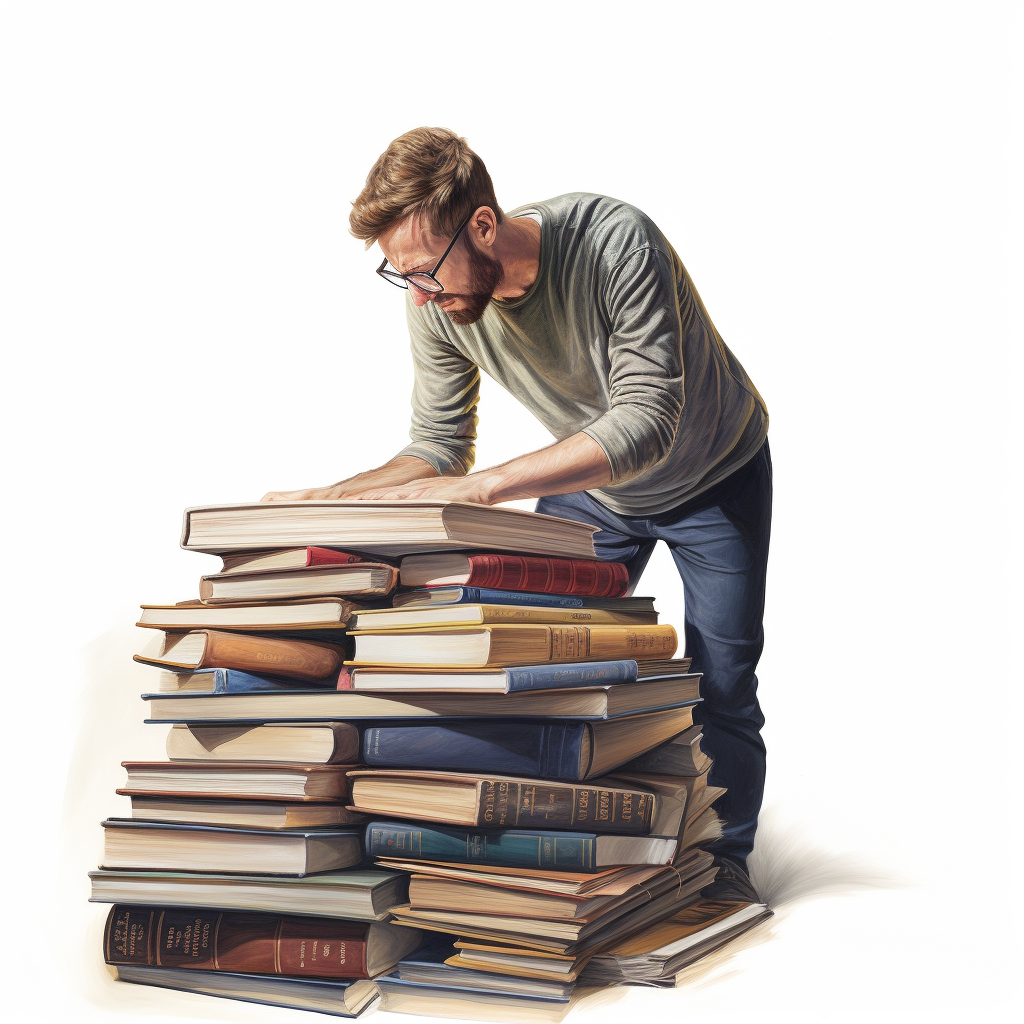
425,185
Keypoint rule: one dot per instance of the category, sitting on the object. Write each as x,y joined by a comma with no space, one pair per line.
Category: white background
186,320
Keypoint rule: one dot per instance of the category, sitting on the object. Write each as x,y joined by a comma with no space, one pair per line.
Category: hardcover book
368,579
325,613
315,743
242,780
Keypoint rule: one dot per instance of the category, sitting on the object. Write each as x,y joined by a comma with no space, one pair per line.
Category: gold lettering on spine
216,941
277,947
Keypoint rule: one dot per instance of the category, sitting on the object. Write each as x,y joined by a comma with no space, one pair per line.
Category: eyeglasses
425,282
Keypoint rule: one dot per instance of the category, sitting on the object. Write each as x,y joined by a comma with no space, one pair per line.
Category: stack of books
463,695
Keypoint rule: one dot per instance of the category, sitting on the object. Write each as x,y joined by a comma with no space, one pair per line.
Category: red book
538,574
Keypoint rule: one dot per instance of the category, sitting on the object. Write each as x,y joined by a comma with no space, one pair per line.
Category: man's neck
517,247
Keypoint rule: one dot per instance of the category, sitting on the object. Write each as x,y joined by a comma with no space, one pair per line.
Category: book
500,801
678,798
241,780
229,680
325,613
594,703
239,813
681,755
655,955
586,577
507,644
518,848
316,743
370,579
382,527
161,846
288,558
515,678
486,614
563,751
340,998
397,996
430,597
206,940
363,894
209,648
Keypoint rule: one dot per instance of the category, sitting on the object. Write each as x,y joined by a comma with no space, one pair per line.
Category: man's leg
719,543
620,538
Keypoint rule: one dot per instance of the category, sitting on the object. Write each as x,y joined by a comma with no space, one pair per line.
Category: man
581,308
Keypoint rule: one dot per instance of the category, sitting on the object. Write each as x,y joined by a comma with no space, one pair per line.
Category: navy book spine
549,750
561,676
233,680
484,595
511,848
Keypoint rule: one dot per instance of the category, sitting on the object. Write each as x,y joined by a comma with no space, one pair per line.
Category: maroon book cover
540,574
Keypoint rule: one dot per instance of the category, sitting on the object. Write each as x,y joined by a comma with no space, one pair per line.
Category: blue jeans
719,542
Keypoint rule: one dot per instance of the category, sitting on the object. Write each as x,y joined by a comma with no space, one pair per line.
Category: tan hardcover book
312,743
382,527
501,801
242,780
488,614
505,644
209,648
247,813
323,613
368,579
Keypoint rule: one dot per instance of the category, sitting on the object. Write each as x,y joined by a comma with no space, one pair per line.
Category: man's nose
420,297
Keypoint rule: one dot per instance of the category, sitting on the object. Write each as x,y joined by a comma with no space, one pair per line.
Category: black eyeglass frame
404,280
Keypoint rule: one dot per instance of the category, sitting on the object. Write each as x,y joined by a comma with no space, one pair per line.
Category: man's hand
476,488
392,474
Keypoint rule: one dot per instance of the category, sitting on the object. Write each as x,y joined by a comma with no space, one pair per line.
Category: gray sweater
611,339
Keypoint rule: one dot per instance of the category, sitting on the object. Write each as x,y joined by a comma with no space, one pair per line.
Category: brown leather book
298,947
211,648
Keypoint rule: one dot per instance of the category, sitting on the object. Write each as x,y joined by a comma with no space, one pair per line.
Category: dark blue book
229,680
569,751
427,597
515,848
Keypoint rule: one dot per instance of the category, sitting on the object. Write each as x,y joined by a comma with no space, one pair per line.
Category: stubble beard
485,275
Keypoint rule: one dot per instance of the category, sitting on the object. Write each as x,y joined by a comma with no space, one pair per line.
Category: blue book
568,751
427,597
229,680
515,848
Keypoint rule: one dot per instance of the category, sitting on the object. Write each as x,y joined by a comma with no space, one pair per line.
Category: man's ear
483,226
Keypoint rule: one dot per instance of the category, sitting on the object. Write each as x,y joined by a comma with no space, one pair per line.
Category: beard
485,275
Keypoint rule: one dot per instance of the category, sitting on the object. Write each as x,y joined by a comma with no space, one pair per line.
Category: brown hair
429,170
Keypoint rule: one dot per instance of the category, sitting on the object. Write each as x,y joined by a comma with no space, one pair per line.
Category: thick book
228,680
206,940
367,579
243,813
487,614
501,801
564,751
449,1002
516,848
507,644
585,577
592,703
657,954
289,558
516,678
338,998
681,755
382,527
432,597
324,614
362,894
169,847
241,780
210,648
316,743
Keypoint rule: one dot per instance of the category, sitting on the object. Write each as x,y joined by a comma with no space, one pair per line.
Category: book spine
483,595
507,804
328,556
548,851
541,574
296,658
209,940
550,750
562,676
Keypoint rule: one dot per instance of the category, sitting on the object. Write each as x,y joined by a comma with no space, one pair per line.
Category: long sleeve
446,388
645,365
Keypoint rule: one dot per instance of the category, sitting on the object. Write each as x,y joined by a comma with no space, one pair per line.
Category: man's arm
400,470
577,463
